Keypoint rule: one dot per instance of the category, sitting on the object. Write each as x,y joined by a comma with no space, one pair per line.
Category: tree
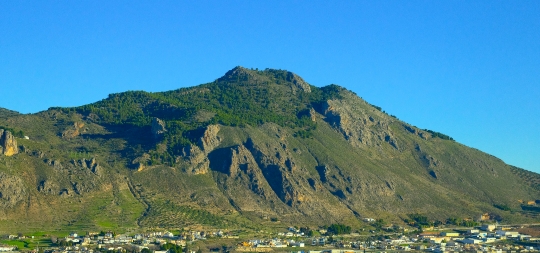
337,229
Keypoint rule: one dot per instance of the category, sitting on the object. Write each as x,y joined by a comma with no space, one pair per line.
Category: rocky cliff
8,143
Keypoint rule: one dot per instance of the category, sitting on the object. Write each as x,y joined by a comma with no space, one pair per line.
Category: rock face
75,177
139,162
88,164
210,140
73,131
298,82
358,128
48,187
158,128
8,144
12,190
197,155
278,169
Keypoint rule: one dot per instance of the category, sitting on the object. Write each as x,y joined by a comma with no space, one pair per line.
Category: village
485,238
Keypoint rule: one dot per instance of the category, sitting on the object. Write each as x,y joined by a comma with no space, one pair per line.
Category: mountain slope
250,146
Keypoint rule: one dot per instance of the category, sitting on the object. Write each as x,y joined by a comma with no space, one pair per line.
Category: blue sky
469,69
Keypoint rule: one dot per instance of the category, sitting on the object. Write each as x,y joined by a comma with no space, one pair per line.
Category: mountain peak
236,73
241,73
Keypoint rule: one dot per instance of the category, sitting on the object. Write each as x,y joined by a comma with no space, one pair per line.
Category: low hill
249,149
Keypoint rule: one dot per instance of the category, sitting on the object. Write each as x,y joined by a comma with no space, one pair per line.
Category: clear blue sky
469,69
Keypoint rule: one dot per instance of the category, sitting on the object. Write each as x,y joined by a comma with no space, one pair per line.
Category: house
396,241
6,248
482,234
436,240
488,227
471,241
428,235
489,239
298,244
450,234
473,231
524,237
292,229
451,244
508,234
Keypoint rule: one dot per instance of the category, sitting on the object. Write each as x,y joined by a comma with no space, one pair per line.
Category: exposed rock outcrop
12,190
277,168
196,159
196,156
312,114
158,128
358,128
69,178
210,140
139,162
8,143
298,82
73,131
48,187
91,164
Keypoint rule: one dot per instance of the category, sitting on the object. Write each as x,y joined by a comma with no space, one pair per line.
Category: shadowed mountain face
236,152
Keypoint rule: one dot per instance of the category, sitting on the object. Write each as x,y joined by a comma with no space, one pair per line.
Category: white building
507,233
6,248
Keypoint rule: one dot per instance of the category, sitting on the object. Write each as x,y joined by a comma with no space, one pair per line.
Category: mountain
250,149
6,113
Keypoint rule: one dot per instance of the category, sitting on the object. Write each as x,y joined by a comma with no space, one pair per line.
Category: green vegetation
462,222
245,98
502,207
338,229
529,177
167,214
27,244
79,155
439,135
171,248
419,221
16,133
422,221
